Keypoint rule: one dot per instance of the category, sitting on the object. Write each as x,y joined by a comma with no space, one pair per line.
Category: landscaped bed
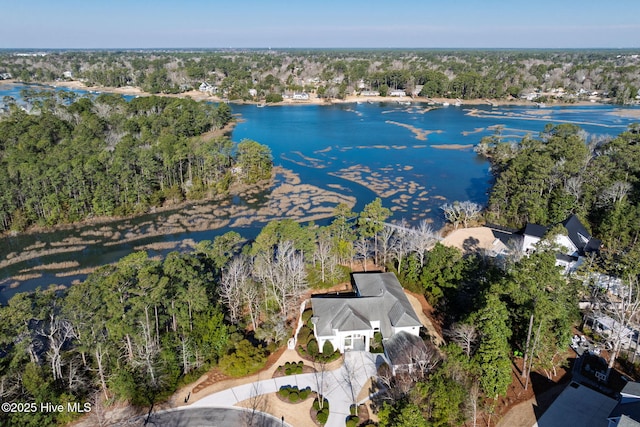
293,368
291,394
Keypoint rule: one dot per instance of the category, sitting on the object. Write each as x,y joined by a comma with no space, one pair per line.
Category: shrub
304,335
302,351
244,359
330,357
376,344
304,393
323,416
352,421
293,394
312,348
316,404
327,348
377,338
306,316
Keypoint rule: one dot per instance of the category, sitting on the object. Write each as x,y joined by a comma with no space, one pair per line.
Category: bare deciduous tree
616,193
283,276
422,240
323,255
452,213
401,246
257,403
57,333
320,369
386,240
363,251
573,186
350,380
146,351
466,336
461,212
622,309
252,299
234,280
417,363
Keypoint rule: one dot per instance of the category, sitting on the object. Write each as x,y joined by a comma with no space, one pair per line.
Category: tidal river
415,157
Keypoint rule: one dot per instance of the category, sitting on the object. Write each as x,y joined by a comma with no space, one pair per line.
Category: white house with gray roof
377,305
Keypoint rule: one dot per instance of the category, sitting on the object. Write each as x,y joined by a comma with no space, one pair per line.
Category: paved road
358,367
213,417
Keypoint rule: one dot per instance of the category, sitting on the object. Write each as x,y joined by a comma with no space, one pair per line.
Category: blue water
318,142
333,146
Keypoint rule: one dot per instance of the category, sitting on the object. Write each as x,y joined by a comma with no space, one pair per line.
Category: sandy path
423,309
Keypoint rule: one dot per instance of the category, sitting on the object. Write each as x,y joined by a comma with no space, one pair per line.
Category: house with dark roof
575,244
627,412
378,304
577,405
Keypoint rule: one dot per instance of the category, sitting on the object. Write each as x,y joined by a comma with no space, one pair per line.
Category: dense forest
465,74
71,159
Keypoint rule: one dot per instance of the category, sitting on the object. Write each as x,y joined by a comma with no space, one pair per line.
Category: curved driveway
341,386
212,417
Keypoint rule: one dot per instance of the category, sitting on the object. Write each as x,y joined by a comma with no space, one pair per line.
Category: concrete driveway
341,386
212,417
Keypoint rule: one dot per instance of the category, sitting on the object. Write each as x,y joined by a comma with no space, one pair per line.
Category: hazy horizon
355,24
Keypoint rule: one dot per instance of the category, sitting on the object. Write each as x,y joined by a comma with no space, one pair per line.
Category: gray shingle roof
632,388
402,348
629,413
349,319
380,297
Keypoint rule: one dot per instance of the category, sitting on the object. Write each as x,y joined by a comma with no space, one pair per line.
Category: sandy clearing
472,239
423,309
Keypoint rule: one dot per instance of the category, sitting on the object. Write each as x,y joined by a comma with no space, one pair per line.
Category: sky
107,24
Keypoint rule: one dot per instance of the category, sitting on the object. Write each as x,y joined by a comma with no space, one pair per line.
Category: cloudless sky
319,24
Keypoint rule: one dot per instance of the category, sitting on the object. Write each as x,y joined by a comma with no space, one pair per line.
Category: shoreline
288,198
313,99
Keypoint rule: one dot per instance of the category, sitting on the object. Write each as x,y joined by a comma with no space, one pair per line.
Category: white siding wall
566,244
528,243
